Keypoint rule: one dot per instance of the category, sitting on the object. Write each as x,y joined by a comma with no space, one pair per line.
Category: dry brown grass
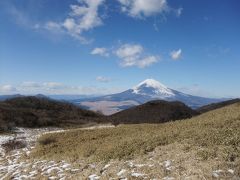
212,135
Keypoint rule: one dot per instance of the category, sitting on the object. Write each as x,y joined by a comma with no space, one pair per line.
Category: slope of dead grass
213,135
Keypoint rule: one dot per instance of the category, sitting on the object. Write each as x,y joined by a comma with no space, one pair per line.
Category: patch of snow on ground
106,166
217,173
120,173
167,165
168,178
231,171
135,174
140,165
93,177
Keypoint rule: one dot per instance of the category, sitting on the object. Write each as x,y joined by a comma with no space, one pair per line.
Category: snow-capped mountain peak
154,88
145,91
152,83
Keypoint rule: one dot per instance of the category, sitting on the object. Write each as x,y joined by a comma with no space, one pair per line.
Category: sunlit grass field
215,134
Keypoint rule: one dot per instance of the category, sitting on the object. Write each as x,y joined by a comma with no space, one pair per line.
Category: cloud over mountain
31,87
133,55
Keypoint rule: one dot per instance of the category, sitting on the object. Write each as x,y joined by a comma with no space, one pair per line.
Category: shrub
14,144
47,141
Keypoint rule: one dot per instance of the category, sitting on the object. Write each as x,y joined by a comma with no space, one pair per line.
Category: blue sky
106,46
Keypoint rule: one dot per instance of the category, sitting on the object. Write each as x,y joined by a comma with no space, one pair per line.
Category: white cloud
100,51
82,17
7,88
147,61
69,24
146,8
31,88
52,26
128,50
103,79
133,55
143,8
30,84
176,54
129,54
53,85
36,86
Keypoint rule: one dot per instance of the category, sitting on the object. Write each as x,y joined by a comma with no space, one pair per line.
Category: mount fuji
145,91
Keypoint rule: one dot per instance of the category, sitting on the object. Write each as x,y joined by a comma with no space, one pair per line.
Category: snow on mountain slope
153,88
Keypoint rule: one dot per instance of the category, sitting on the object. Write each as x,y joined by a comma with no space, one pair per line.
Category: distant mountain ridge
145,91
65,97
214,106
5,97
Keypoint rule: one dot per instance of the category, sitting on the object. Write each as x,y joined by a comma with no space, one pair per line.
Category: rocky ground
162,163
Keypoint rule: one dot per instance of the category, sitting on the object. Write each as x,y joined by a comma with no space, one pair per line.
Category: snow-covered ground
11,165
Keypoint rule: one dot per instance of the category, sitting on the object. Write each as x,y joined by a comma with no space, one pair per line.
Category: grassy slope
213,134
